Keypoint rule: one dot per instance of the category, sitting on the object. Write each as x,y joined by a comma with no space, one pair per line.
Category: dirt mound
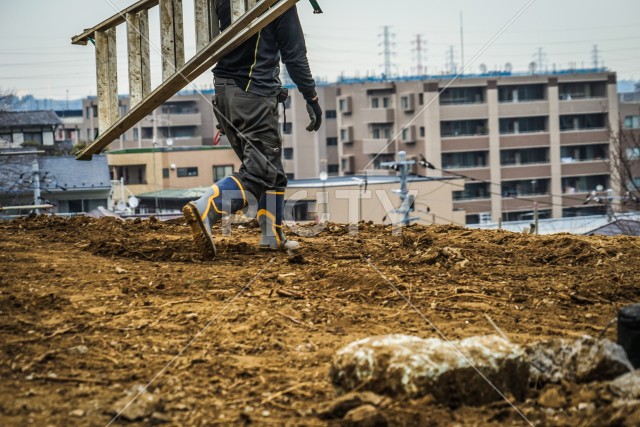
90,308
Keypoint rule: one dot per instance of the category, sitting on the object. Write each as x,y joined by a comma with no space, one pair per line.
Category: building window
471,159
287,128
288,153
378,159
33,137
331,114
136,134
582,122
523,125
165,173
182,107
632,122
584,184
386,102
187,172
290,176
569,91
375,103
463,128
94,109
88,112
521,93
526,187
423,131
132,174
421,98
478,190
524,156
331,142
462,95
333,169
178,132
123,109
89,135
381,131
584,153
220,172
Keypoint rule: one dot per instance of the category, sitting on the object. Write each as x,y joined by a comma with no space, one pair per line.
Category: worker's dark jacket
255,65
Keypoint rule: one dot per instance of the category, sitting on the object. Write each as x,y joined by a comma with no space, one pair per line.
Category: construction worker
248,90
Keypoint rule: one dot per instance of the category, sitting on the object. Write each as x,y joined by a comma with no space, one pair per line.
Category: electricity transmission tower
420,54
388,50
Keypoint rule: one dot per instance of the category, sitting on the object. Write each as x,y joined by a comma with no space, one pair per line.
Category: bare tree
6,100
625,162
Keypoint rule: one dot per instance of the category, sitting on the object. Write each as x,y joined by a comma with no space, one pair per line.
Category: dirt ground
90,308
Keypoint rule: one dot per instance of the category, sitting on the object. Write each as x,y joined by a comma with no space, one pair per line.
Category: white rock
406,365
627,386
582,360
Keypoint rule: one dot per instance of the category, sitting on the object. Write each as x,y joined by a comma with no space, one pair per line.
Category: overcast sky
36,55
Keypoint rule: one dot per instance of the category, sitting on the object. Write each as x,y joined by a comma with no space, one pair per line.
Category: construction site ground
90,308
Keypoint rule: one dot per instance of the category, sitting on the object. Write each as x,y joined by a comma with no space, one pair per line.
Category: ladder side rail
265,12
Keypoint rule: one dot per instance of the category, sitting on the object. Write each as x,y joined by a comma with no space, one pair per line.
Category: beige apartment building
186,120
522,141
307,154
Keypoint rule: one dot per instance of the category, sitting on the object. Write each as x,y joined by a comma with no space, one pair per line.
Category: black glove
315,114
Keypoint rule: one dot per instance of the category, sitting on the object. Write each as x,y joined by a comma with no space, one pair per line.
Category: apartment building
523,142
185,120
307,154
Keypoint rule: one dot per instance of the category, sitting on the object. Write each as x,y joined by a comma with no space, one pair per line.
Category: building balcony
479,173
524,109
528,171
465,143
168,120
520,140
379,115
518,204
473,206
593,167
584,136
584,106
464,111
377,146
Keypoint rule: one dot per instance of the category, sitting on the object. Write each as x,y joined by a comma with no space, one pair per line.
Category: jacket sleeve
292,47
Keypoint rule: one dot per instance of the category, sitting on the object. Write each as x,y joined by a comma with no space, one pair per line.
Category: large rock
578,360
627,386
403,365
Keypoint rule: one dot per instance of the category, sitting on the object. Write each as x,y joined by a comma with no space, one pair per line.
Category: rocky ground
92,309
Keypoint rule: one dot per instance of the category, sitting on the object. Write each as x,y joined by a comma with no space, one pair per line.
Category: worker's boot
270,213
222,198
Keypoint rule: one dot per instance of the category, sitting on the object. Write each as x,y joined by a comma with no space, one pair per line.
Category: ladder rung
239,32
107,76
172,37
115,20
139,59
238,8
206,15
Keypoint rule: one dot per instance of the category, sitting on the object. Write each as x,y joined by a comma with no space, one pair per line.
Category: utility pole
420,52
35,172
406,200
387,50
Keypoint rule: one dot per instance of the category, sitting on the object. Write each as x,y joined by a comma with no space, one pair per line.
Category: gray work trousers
251,125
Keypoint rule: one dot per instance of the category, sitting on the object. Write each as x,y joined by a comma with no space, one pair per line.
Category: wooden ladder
248,18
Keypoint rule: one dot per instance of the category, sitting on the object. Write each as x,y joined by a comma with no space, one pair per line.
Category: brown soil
135,293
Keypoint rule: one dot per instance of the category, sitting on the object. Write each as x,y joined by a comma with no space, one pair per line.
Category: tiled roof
28,118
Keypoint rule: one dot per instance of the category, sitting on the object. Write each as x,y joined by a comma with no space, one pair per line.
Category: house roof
56,174
72,174
619,227
29,118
